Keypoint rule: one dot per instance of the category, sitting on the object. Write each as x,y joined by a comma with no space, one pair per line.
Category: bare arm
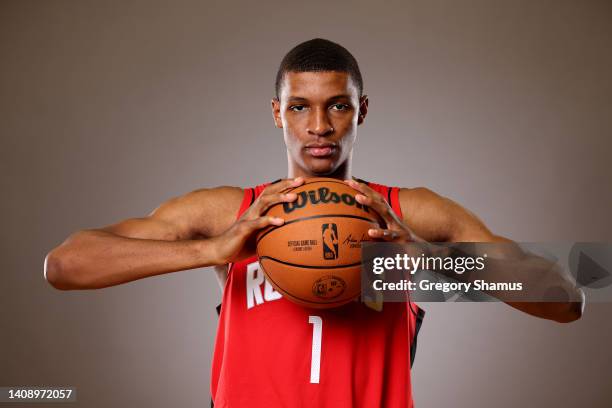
438,219
173,237
196,230
429,217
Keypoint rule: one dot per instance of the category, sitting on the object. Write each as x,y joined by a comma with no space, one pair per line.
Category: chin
320,167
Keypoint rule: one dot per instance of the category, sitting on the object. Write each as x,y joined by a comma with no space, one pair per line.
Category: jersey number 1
315,360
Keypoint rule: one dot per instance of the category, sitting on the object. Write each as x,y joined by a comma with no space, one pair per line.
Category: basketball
314,258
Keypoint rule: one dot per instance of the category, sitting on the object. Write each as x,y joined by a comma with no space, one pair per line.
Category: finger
283,185
264,202
366,191
273,194
251,226
385,234
361,187
388,235
379,205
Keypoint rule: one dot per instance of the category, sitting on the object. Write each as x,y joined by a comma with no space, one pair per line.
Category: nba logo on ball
330,241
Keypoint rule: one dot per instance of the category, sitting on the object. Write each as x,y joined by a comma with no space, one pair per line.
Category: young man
270,352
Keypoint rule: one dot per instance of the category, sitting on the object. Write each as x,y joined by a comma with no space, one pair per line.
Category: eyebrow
297,99
333,98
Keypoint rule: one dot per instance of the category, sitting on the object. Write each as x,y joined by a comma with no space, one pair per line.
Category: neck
343,171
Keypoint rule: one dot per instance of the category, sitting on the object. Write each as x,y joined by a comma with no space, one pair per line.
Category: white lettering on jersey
254,278
315,356
270,293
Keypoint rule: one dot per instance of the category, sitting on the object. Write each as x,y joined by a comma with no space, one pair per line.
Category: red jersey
270,352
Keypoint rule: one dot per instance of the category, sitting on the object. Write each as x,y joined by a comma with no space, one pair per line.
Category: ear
276,113
363,109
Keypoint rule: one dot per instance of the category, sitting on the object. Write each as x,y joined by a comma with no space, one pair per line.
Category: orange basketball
314,258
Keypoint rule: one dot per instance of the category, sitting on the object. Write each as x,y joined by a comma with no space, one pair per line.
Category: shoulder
205,211
221,196
436,218
419,196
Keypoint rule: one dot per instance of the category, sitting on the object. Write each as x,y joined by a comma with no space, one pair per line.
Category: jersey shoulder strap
247,200
250,194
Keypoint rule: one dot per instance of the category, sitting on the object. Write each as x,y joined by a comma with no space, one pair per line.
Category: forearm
557,296
95,259
562,312
547,290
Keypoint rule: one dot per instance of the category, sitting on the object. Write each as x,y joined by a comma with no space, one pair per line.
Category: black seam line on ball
309,300
310,266
313,217
290,189
332,302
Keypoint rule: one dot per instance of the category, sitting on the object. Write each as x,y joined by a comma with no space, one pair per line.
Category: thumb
264,221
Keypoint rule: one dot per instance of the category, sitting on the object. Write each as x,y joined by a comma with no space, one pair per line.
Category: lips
321,150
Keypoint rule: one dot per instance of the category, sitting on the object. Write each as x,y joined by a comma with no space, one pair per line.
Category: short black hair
319,54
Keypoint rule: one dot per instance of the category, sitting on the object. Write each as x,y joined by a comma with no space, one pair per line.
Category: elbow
568,316
573,313
572,310
55,272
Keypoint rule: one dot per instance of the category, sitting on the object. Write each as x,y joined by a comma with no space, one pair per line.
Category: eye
339,106
297,108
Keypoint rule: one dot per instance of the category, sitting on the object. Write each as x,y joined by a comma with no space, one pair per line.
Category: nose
319,123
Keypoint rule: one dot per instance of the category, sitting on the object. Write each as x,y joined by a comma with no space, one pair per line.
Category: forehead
317,85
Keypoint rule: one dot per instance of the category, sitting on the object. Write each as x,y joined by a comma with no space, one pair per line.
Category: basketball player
269,351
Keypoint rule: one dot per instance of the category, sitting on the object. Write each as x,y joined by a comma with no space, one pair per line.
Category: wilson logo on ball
322,195
329,233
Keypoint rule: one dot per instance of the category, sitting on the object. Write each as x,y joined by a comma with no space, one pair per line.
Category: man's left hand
394,230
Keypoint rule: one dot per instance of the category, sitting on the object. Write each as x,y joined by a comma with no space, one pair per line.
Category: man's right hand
238,242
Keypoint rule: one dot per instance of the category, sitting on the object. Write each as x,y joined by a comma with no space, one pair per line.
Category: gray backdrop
109,108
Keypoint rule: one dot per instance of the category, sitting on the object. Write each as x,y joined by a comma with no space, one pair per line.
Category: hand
394,230
238,242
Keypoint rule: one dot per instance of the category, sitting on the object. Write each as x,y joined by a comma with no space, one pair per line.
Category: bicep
145,228
199,214
166,223
439,219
